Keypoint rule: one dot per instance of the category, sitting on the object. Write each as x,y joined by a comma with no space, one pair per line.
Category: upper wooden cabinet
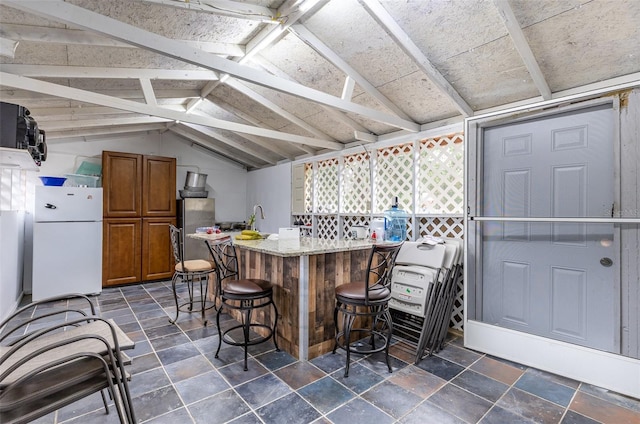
158,186
122,184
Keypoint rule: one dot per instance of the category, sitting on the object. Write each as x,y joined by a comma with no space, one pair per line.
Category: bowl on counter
53,181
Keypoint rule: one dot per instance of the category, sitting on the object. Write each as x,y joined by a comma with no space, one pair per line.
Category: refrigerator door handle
50,206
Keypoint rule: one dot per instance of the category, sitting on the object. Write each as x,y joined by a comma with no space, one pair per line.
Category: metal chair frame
377,280
226,260
189,277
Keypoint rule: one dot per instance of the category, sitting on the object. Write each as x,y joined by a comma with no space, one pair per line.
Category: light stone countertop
291,247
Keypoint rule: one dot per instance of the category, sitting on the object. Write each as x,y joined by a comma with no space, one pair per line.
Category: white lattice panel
441,227
440,175
348,221
394,177
327,186
327,227
308,187
355,191
457,315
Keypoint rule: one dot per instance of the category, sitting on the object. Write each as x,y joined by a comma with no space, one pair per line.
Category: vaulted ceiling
265,81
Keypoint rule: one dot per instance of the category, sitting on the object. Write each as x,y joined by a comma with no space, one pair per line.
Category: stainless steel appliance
194,213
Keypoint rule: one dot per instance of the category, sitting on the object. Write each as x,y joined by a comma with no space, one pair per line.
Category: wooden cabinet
121,251
139,205
157,259
122,185
158,186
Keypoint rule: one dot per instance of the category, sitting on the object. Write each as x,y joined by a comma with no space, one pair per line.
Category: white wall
271,188
11,258
226,181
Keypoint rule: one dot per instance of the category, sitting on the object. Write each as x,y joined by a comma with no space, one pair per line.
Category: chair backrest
226,260
177,244
381,261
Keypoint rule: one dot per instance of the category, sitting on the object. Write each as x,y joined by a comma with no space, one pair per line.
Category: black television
18,130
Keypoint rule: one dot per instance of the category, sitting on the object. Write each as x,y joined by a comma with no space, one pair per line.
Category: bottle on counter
395,223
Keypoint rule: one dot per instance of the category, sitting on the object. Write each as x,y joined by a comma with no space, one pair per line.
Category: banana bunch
249,235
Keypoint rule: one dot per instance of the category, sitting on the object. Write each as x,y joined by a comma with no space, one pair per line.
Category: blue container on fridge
395,223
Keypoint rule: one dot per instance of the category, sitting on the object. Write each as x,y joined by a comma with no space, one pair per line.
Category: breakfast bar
305,272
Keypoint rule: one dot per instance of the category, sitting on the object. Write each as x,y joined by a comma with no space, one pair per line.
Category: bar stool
188,272
369,301
243,295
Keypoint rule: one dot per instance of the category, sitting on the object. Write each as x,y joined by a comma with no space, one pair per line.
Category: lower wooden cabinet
121,247
157,254
135,250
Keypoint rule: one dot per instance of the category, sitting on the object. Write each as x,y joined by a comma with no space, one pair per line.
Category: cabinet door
157,254
159,186
122,184
121,251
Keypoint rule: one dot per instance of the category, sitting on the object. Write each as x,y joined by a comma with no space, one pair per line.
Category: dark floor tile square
613,397
291,409
262,390
228,355
571,417
153,404
530,406
497,370
440,367
235,373
84,406
155,312
428,413
200,387
221,408
480,385
392,399
498,415
603,410
171,340
417,381
96,417
359,411
330,362
299,374
545,388
141,348
460,403
274,360
249,418
177,353
201,332
188,368
326,394
360,378
148,381
459,355
154,322
162,331
377,362
144,363
176,416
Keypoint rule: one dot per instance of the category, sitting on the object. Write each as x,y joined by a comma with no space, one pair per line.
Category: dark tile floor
177,379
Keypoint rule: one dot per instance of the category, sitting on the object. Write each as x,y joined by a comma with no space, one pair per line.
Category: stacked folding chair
423,290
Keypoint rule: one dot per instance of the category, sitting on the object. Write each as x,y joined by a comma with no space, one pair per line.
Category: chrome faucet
255,209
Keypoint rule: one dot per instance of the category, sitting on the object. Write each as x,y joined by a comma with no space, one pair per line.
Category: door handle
606,262
50,206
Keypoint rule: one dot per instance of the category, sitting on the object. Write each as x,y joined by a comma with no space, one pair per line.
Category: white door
554,280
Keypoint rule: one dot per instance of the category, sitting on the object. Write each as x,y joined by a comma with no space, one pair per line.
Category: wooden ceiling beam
402,39
78,16
40,34
523,48
29,84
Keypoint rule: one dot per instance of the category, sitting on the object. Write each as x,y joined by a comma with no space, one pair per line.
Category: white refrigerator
67,241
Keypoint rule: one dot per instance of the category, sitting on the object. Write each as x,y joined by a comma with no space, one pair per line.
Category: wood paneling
121,251
326,271
157,255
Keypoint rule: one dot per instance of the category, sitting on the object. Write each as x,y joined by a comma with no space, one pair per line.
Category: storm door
554,278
